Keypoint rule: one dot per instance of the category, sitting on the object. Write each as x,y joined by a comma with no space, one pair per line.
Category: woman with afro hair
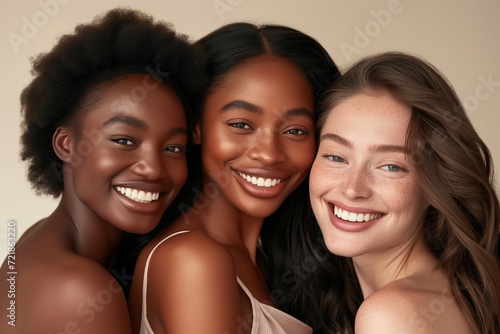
105,127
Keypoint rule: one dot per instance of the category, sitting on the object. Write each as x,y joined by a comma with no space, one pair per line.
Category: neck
91,237
223,222
376,270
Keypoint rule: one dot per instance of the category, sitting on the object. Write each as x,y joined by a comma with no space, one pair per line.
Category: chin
141,226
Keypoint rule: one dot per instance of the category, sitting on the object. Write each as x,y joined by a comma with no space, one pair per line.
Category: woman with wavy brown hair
403,187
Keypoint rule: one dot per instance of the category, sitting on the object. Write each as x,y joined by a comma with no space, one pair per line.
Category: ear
62,144
197,134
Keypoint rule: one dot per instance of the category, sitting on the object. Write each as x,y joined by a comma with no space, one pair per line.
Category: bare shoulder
72,294
192,276
192,252
403,307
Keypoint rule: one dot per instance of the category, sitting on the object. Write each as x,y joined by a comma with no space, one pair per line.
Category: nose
267,148
150,165
357,183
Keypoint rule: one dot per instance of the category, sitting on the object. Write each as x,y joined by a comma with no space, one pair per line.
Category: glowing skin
363,192
257,145
257,135
136,165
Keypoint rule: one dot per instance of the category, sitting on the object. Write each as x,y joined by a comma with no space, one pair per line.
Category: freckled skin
362,181
405,290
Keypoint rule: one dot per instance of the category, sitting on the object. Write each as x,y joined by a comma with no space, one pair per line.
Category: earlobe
197,134
61,142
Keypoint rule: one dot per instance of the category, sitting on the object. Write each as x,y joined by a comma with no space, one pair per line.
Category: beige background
460,37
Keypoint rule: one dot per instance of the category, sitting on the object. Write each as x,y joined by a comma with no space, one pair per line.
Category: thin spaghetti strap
146,268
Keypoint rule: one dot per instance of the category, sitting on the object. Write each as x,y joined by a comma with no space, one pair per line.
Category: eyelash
333,158
246,126
399,169
298,132
336,158
238,125
170,148
123,141
176,149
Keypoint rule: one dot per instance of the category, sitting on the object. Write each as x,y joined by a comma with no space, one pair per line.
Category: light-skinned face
362,186
257,134
127,154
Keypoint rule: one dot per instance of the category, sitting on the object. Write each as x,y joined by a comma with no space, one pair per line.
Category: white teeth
139,195
260,181
354,217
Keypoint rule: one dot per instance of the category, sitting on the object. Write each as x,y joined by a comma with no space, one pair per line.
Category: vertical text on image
11,271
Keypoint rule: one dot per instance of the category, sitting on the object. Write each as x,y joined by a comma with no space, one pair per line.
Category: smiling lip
352,220
142,197
138,195
261,183
353,216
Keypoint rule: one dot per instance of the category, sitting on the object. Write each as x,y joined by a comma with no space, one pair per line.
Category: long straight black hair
285,257
225,49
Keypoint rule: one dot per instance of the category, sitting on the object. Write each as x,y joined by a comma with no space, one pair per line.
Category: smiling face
362,185
126,154
257,134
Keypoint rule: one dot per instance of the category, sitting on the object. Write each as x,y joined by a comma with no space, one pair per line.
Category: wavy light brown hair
454,170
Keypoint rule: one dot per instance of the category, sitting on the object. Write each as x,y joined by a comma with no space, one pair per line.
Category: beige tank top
266,319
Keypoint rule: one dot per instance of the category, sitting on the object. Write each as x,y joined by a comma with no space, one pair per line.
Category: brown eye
175,149
296,132
240,125
123,141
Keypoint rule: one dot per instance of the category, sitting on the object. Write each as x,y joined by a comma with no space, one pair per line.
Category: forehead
271,80
268,70
373,113
136,94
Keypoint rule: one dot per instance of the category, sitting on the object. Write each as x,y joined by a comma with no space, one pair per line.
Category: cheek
406,198
101,165
182,174
231,145
219,144
317,179
303,155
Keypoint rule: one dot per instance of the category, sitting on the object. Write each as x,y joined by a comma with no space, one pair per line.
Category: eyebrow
374,148
240,104
127,120
137,123
299,112
178,131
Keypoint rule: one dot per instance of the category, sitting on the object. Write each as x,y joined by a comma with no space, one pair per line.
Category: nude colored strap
145,279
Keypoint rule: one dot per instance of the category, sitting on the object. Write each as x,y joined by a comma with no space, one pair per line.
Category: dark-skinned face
127,156
257,134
